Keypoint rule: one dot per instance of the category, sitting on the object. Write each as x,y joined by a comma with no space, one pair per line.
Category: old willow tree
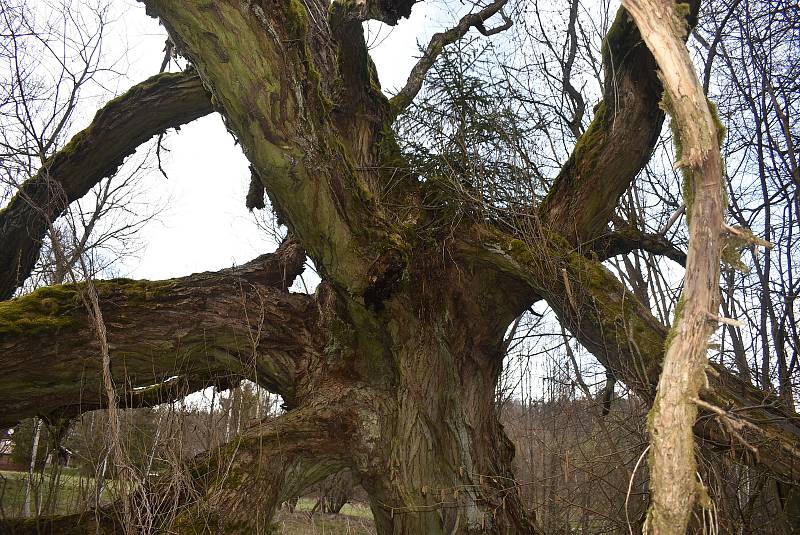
389,369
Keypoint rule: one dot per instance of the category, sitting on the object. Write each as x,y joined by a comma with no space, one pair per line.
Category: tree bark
441,463
168,338
618,142
627,339
390,369
405,400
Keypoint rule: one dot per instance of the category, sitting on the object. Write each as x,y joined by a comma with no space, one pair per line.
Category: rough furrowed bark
391,366
295,85
166,337
298,92
406,401
147,109
434,458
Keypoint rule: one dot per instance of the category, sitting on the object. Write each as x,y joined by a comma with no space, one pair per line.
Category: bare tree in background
51,59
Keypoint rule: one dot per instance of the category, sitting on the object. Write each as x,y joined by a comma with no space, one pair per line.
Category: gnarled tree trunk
434,458
390,369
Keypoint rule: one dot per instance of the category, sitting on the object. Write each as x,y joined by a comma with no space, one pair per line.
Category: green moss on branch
46,309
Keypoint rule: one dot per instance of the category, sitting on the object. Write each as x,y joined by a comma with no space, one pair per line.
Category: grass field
69,495
354,519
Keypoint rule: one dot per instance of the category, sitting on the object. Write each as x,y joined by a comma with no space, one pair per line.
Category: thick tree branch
624,240
171,389
618,142
405,96
276,78
149,108
232,489
246,480
386,11
627,339
238,322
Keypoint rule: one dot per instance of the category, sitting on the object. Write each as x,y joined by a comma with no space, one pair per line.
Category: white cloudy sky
205,225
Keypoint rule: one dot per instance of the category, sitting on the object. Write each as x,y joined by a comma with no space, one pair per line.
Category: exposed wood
672,462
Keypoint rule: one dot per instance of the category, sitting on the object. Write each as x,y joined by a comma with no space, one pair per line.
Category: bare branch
672,461
623,241
161,102
405,96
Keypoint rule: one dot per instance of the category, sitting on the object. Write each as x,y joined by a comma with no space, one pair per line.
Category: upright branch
672,463
617,144
391,368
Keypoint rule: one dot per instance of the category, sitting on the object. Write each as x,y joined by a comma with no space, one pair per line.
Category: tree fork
627,339
415,358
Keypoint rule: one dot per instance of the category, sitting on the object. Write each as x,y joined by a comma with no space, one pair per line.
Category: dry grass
355,519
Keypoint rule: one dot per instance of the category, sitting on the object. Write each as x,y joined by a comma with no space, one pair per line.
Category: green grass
357,510
303,523
354,519
69,495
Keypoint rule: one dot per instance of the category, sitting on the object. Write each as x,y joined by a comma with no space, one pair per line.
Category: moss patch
46,309
675,321
135,291
297,18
